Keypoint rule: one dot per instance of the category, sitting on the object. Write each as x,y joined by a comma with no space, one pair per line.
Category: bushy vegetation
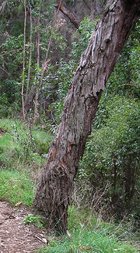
20,144
112,156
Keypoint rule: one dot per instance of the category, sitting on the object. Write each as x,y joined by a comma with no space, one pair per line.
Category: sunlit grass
16,186
89,234
83,240
20,144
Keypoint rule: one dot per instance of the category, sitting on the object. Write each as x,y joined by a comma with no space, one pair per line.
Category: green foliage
118,130
113,151
16,186
63,77
11,53
82,37
125,79
88,234
9,99
10,64
11,7
42,141
18,144
52,45
34,219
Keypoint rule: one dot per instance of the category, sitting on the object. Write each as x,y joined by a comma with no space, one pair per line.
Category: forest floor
15,236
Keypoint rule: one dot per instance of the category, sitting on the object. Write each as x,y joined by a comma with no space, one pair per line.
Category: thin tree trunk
30,56
129,182
24,62
36,102
55,186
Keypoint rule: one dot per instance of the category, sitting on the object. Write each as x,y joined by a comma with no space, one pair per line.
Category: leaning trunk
96,64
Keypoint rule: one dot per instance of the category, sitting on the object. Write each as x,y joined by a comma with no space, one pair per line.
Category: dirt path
15,236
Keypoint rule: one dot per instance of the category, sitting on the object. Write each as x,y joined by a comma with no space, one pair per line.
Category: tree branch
73,19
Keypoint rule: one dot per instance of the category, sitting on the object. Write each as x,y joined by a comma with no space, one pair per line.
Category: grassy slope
19,144
16,186
20,154
88,234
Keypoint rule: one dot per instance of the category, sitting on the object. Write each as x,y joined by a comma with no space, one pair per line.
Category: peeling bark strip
96,64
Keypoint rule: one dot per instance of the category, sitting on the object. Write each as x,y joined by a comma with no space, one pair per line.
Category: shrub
112,154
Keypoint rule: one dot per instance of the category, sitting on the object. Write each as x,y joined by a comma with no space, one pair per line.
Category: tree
97,62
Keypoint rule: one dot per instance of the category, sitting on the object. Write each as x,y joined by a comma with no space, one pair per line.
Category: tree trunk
97,8
55,186
129,182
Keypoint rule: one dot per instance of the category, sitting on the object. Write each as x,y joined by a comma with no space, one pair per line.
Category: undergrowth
21,150
20,144
15,187
34,219
90,234
88,241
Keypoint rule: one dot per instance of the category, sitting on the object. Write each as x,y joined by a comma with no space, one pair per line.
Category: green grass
89,234
11,125
83,241
20,145
14,143
20,149
42,140
34,219
16,186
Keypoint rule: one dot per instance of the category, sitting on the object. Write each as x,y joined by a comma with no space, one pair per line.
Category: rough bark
73,19
55,186
97,8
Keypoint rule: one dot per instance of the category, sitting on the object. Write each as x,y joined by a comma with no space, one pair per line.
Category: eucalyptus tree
96,64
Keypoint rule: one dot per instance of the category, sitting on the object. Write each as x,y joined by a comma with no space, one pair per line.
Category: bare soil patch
15,236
